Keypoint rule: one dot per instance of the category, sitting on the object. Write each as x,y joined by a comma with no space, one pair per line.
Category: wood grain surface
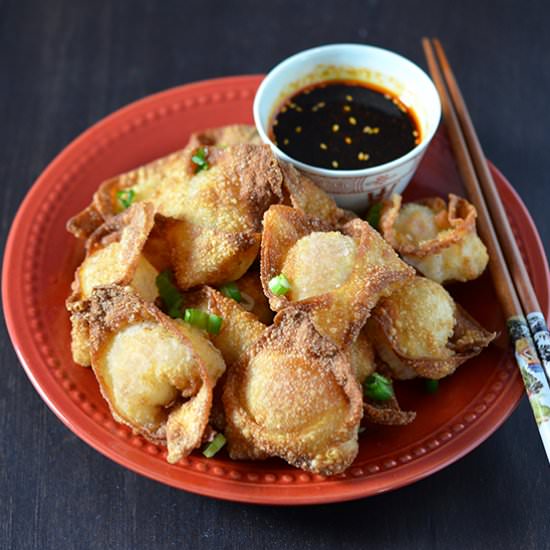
64,64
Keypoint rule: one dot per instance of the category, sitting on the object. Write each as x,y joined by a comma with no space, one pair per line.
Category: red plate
41,257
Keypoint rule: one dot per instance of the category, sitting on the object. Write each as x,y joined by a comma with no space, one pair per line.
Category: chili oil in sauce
344,125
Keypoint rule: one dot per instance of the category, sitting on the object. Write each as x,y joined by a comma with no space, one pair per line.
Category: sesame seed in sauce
349,98
298,129
346,108
334,164
323,146
347,139
335,127
352,120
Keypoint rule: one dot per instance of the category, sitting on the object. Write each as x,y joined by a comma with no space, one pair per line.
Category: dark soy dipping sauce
344,125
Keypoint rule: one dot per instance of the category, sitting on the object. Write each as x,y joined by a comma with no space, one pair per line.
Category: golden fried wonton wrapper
240,329
113,255
213,232
253,297
439,239
226,136
202,255
293,395
337,275
147,180
362,359
420,331
388,413
155,373
304,195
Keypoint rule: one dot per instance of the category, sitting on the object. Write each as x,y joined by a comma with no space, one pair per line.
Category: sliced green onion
231,290
214,446
279,285
203,320
126,197
373,215
196,317
430,385
214,324
199,158
170,295
378,387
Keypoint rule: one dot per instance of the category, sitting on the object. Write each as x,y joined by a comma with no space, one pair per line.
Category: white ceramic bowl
354,189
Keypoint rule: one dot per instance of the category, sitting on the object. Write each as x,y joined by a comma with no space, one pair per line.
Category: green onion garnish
378,387
279,285
196,317
199,158
214,446
373,215
431,385
231,290
203,320
214,324
126,197
170,295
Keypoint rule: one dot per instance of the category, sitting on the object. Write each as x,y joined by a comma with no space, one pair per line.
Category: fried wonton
336,274
363,363
113,255
361,355
439,239
147,181
155,373
419,331
225,136
388,413
253,297
294,395
200,254
304,195
240,329
210,230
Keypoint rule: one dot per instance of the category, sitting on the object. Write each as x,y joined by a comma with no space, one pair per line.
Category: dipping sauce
344,125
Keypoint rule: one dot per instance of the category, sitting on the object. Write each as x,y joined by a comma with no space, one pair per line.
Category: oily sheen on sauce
344,125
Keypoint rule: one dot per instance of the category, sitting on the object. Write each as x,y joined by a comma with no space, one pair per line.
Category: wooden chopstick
526,352
516,265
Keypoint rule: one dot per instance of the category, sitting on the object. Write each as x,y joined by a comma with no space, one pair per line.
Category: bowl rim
339,174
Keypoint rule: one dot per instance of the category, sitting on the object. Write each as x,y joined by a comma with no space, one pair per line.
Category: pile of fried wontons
175,309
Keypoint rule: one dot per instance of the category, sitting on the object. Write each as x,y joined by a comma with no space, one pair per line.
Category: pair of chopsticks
527,327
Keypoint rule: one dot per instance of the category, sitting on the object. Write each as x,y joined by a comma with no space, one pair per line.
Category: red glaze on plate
41,257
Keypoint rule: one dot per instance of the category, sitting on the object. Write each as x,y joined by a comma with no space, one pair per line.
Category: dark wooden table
66,64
